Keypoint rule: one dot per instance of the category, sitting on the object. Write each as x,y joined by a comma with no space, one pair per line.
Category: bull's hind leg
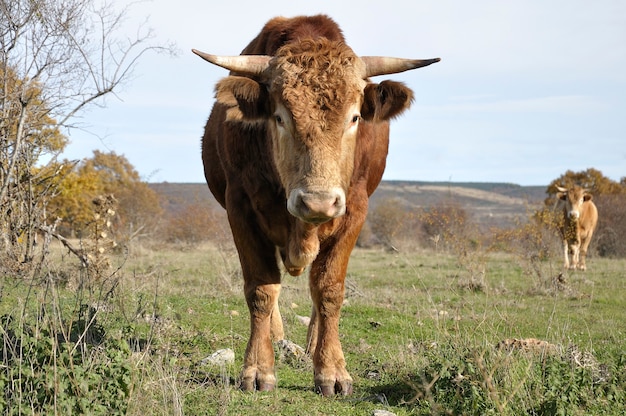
276,322
311,335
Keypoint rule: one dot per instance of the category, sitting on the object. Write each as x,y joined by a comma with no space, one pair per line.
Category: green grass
419,331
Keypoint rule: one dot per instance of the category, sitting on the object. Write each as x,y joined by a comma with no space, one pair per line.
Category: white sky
526,89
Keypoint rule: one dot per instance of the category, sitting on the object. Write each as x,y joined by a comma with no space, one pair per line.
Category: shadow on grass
398,393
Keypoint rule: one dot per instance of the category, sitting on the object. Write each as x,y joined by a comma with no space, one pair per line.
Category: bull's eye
279,119
356,118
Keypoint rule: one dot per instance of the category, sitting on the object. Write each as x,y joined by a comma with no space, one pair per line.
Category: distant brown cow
580,217
295,145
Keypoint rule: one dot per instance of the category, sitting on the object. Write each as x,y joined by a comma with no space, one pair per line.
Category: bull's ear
385,100
587,197
561,195
247,99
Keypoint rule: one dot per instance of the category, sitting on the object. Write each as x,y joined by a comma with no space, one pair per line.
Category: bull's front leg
265,322
261,288
566,252
583,254
582,263
575,252
323,342
327,284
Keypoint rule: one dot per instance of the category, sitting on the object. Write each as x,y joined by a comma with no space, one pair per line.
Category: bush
608,238
477,380
196,223
391,221
447,224
48,371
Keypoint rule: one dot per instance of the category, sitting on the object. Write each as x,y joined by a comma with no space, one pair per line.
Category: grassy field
422,331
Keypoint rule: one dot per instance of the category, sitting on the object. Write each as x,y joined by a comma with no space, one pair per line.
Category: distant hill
490,204
176,195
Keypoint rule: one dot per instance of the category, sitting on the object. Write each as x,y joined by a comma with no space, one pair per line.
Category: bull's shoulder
590,214
370,155
237,152
590,206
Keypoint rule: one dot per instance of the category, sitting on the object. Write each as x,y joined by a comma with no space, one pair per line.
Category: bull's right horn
561,189
384,65
245,64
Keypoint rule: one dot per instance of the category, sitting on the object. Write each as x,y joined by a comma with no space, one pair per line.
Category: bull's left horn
245,64
382,65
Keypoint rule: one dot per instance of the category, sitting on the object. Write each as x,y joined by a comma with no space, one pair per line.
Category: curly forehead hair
317,79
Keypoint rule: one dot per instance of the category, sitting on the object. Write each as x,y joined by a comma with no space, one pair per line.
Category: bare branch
57,57
67,244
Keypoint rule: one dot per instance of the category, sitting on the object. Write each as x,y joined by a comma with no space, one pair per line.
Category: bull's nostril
320,205
317,207
574,214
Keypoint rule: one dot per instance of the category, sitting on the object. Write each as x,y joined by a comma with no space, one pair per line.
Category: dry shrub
196,223
390,223
366,236
536,239
139,211
99,246
446,225
533,244
608,238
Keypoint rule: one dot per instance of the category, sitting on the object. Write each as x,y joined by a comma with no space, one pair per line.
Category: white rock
304,320
291,353
220,357
382,413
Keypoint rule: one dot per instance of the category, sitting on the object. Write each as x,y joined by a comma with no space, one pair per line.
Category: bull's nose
317,207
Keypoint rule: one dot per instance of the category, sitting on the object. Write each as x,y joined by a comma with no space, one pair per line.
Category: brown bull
295,145
580,217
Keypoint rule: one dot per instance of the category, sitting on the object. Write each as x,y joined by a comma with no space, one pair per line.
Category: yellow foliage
590,179
40,131
105,173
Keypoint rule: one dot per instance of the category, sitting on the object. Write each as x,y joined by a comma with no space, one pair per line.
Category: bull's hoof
251,386
343,388
267,387
248,385
253,380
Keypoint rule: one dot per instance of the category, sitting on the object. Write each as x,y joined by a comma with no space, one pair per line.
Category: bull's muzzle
317,207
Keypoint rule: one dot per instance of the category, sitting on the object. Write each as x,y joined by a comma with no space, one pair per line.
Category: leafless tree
57,57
